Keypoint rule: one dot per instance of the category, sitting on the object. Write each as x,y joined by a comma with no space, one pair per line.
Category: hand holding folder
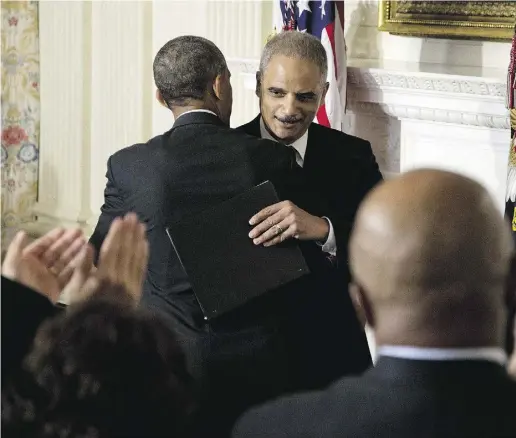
225,268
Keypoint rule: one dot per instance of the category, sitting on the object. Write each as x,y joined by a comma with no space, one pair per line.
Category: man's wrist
322,235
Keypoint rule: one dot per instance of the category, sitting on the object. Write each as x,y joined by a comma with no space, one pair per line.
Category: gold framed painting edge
445,26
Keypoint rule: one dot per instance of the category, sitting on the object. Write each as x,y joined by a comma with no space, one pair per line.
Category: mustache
289,119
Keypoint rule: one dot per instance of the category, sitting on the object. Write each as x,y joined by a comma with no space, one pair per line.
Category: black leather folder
225,268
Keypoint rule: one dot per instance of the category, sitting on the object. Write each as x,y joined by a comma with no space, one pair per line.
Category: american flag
325,20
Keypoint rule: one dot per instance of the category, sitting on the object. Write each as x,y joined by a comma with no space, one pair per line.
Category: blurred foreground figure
432,283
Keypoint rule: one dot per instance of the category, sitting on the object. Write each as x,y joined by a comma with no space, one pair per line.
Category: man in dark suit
242,357
340,169
432,282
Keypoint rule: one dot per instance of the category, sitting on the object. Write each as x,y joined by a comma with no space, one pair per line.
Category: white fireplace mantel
426,115
410,92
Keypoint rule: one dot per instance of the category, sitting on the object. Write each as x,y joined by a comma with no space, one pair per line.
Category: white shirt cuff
330,246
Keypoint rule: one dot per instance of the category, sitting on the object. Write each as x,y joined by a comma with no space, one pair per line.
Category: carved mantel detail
461,100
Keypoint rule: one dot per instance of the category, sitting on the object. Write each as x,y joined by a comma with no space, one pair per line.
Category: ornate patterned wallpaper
20,111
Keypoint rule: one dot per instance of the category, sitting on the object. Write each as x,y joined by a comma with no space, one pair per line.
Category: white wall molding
429,114
433,97
415,118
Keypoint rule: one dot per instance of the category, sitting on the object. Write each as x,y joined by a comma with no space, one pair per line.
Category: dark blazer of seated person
397,398
23,311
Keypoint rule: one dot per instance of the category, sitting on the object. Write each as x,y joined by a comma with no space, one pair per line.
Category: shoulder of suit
337,138
138,149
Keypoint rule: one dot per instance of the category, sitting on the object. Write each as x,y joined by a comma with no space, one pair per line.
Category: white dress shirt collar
491,354
299,145
197,111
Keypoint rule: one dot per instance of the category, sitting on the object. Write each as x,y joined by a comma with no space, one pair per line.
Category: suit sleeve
112,208
344,216
23,311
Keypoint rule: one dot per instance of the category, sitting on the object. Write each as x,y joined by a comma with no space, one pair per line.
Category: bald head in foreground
430,256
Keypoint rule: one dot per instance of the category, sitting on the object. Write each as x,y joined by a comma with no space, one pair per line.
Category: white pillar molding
95,58
420,115
65,116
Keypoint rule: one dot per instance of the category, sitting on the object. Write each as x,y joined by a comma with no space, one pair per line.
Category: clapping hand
46,264
122,262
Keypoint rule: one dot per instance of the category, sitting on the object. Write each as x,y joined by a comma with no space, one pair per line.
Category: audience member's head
291,83
430,255
102,369
190,72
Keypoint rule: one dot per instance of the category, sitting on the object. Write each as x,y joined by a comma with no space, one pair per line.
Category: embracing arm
112,208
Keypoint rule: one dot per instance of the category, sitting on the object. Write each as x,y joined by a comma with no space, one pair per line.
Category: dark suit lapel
314,161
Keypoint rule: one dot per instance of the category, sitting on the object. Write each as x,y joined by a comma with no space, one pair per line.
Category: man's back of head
190,72
430,255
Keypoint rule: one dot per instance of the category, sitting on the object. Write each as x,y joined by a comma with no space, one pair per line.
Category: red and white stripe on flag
330,114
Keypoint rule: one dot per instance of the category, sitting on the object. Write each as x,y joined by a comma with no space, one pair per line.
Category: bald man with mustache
430,256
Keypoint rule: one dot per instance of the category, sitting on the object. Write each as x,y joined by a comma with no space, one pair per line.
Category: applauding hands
61,262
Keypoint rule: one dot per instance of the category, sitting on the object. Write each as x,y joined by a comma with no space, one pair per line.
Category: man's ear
160,99
218,86
361,304
323,95
258,84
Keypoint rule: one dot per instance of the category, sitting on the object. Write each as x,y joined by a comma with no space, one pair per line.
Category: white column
121,66
65,112
95,59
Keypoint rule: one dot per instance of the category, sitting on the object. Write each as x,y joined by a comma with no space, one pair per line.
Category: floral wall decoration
20,111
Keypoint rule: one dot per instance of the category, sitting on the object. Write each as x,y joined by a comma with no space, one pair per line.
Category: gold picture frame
481,20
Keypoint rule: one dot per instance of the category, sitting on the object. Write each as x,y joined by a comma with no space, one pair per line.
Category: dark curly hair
102,369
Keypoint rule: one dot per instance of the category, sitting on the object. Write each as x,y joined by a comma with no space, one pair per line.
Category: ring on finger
279,230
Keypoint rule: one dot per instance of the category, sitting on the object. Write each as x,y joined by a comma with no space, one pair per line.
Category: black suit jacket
197,164
23,311
239,358
341,169
398,398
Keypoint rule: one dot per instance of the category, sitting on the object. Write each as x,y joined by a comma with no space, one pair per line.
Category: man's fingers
268,223
13,255
110,249
289,232
68,256
139,261
280,225
82,254
73,290
39,246
53,255
266,212
130,238
139,264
